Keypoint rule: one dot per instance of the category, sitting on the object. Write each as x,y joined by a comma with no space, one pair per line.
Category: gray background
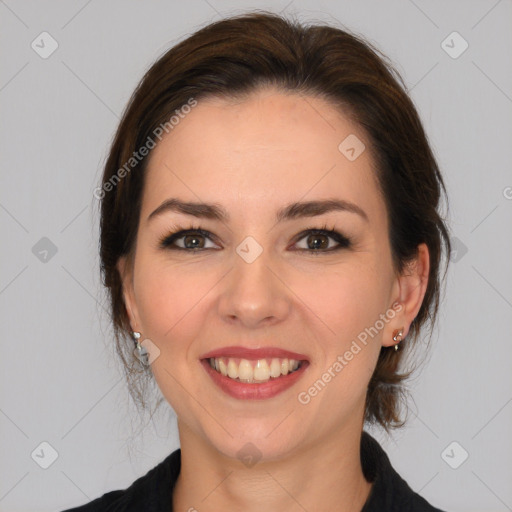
60,381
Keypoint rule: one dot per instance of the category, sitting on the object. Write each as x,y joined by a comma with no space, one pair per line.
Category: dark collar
389,491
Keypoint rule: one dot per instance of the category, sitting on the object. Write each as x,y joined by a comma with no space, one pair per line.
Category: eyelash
179,232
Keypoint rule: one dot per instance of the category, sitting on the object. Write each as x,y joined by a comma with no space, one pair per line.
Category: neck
326,475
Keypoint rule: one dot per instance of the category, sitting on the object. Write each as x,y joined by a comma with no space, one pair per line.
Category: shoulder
109,502
151,492
390,492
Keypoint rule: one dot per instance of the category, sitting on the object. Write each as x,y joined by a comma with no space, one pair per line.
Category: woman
270,238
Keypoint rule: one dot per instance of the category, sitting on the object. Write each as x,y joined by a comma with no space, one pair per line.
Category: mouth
254,373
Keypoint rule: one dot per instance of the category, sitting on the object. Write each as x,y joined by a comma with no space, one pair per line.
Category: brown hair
234,57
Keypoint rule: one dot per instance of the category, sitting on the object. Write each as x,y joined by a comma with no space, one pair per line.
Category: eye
191,240
317,240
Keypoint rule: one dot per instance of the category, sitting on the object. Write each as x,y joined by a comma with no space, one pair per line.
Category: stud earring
397,337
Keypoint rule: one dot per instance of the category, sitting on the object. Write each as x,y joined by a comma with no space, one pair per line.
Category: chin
256,438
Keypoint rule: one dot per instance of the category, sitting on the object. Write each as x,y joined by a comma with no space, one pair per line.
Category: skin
252,157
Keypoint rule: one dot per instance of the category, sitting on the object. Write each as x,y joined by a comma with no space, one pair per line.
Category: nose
254,294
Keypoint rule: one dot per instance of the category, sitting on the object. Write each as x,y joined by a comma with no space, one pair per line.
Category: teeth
261,370
232,369
285,366
275,368
222,366
248,371
245,371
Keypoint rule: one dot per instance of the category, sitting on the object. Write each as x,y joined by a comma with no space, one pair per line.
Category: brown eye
193,241
319,241
187,240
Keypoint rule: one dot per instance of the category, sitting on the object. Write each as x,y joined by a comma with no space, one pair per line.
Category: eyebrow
289,212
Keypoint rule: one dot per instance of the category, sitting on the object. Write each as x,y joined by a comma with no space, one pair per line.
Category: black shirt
153,491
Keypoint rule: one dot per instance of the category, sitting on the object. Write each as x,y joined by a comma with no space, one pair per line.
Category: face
261,277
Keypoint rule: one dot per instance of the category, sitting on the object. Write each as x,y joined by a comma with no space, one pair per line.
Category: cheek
172,305
171,299
346,300
341,304
345,306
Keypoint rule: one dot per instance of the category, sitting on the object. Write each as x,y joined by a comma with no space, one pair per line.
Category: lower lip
254,391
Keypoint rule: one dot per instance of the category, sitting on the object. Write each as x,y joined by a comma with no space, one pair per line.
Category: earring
397,337
140,351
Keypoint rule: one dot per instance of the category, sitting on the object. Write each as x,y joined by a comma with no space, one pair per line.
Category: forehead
269,148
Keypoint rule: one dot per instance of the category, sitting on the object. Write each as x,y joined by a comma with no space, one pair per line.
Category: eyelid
343,241
178,232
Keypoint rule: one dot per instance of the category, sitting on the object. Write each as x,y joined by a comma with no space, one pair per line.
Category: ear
125,269
408,292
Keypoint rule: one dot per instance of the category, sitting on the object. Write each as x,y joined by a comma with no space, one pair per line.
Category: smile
250,371
254,380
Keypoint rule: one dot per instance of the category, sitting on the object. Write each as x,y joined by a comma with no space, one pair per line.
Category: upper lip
254,353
